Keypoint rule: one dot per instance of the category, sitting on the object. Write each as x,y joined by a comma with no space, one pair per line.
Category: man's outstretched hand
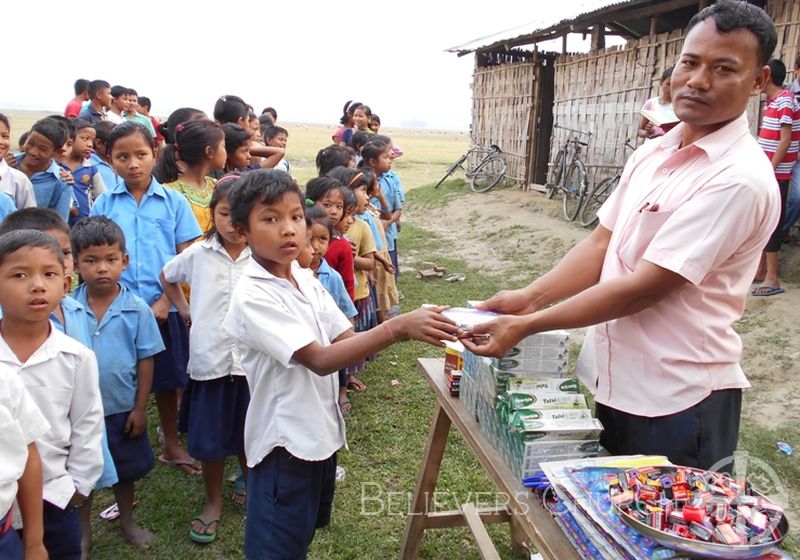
494,338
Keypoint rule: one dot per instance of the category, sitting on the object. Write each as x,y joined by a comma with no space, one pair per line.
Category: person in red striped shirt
779,137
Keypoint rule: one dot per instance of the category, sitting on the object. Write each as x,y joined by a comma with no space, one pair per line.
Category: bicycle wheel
555,173
574,189
452,170
595,200
488,173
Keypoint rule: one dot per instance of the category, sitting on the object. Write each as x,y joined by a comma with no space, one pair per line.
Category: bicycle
489,170
568,173
599,194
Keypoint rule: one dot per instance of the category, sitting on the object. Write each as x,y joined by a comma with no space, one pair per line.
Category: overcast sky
305,58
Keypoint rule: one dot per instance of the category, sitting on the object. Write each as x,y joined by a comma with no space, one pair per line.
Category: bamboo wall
503,101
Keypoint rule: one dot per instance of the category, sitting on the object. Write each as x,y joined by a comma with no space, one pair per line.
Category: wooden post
426,483
564,44
598,36
653,25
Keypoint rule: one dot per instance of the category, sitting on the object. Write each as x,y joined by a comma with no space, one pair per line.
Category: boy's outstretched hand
494,338
426,325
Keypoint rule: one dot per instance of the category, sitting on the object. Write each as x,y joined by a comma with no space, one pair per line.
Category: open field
498,239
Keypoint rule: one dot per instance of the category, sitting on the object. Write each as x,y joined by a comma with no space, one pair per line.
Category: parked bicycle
599,194
488,170
567,173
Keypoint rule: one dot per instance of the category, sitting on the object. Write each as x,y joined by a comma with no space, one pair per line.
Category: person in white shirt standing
61,376
293,337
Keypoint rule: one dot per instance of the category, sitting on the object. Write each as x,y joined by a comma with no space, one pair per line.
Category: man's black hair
778,69
96,86
116,91
94,231
266,186
21,238
40,219
734,14
145,102
81,86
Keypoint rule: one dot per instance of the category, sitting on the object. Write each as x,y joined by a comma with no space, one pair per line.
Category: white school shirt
212,275
21,423
16,184
290,405
61,377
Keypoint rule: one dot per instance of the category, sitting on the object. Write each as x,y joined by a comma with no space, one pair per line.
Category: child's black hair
350,178
103,130
318,187
266,121
264,185
145,102
178,116
347,110
94,231
19,239
80,124
23,137
116,91
371,150
358,139
96,86
5,121
365,108
349,201
229,109
81,86
40,219
381,138
273,131
667,73
67,124
123,130
221,191
316,215
52,129
375,118
235,137
330,157
191,139
778,69
271,112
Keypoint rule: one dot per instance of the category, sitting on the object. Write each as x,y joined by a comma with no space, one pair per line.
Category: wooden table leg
426,483
519,540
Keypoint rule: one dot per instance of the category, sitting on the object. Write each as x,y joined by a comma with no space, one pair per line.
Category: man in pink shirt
666,273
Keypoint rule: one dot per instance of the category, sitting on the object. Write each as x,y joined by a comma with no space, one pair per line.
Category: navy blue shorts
133,456
169,366
62,532
213,413
288,499
10,543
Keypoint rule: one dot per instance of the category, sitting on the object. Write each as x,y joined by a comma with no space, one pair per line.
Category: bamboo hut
519,91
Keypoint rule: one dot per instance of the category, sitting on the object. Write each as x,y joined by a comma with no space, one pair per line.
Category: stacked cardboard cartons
527,405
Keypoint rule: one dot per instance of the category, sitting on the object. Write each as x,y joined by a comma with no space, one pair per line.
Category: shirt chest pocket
640,232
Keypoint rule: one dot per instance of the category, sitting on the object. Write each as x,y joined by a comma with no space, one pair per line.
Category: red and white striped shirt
780,110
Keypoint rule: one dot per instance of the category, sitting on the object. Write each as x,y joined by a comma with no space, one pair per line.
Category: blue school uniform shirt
107,172
90,114
6,206
332,281
152,230
127,333
48,188
75,324
393,192
373,226
82,196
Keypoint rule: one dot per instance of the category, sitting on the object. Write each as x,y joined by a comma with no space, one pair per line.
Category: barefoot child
158,224
61,376
125,340
294,427
216,399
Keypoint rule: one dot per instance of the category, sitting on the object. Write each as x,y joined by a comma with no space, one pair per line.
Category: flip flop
767,290
180,463
356,385
204,537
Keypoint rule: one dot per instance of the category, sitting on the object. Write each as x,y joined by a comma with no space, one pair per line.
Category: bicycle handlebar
584,132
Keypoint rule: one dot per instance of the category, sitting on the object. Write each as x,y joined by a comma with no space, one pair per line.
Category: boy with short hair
61,376
144,108
277,137
99,92
132,112
81,96
101,158
118,106
37,161
22,423
126,337
88,182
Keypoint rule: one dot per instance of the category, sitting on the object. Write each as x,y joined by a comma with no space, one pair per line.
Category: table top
537,523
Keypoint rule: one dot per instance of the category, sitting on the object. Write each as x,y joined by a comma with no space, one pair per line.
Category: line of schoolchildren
299,282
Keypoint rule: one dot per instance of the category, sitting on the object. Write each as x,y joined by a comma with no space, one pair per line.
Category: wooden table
530,522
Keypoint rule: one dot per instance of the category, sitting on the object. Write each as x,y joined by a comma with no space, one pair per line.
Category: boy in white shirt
21,423
293,337
13,182
61,376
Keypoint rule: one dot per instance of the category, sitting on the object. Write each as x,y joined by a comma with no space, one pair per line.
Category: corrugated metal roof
537,28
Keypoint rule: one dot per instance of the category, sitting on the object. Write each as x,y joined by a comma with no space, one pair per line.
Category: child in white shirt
293,337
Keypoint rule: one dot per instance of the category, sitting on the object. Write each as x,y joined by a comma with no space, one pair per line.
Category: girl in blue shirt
158,224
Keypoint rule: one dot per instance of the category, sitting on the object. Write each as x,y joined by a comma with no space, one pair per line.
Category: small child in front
294,427
61,376
126,337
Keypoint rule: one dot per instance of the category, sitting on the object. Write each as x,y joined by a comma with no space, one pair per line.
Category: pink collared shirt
704,211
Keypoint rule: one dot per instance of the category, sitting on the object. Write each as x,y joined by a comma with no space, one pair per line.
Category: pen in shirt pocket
649,208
